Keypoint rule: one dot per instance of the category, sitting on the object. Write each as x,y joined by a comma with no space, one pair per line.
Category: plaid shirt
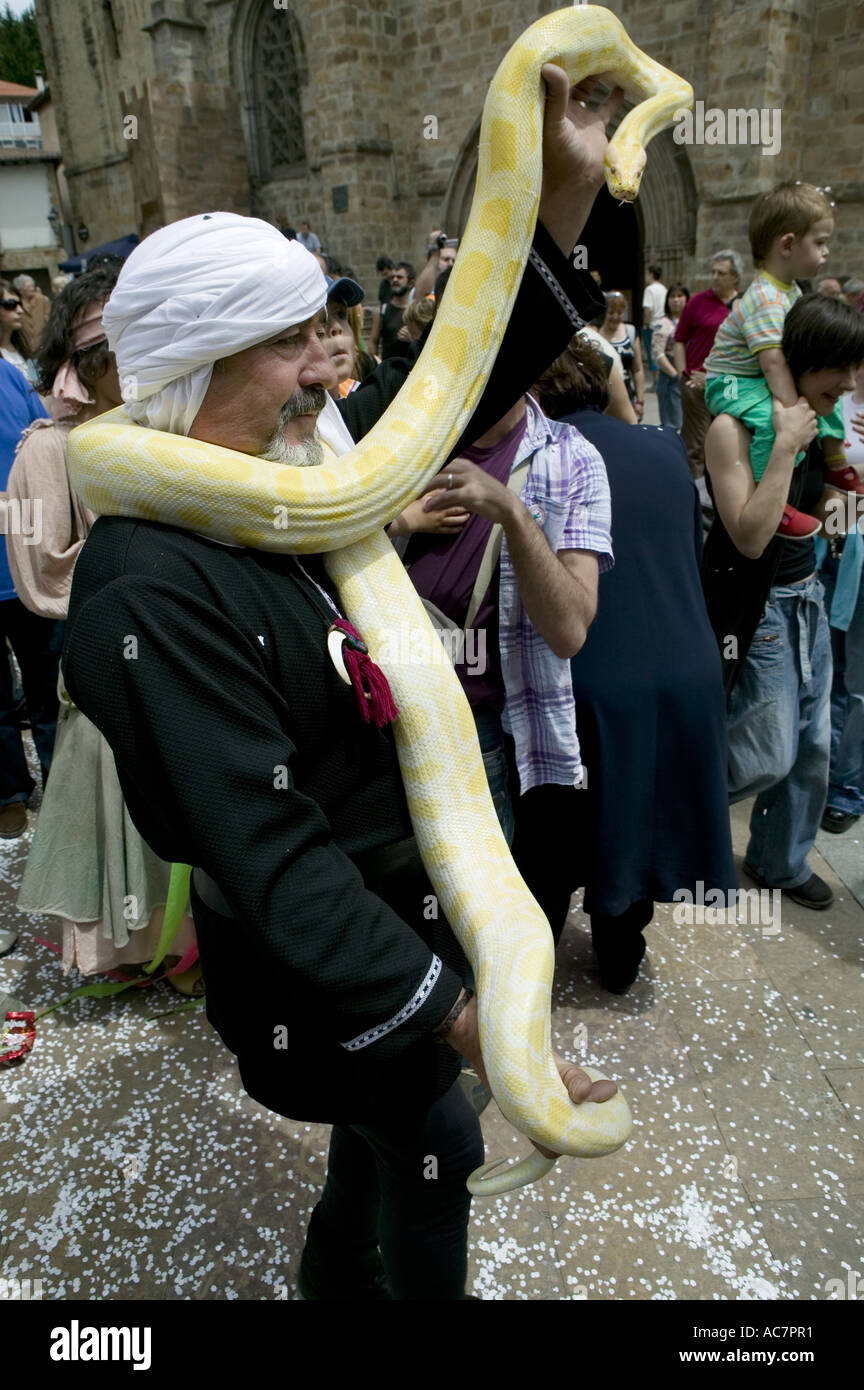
568,494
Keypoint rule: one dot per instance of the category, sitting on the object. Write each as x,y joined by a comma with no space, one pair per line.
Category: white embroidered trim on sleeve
380,1030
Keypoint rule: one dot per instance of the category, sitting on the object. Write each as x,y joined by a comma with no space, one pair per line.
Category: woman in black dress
650,711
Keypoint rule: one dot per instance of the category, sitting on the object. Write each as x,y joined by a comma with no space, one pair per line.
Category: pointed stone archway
659,226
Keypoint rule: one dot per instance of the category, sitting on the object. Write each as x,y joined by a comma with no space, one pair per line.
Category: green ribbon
175,910
103,991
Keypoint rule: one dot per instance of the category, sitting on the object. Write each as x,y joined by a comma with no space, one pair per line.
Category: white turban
193,292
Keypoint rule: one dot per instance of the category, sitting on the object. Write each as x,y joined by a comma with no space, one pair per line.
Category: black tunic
649,693
240,751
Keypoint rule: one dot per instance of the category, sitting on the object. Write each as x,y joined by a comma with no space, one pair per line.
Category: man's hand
471,489
465,1038
557,591
574,147
696,379
416,518
574,137
795,425
858,424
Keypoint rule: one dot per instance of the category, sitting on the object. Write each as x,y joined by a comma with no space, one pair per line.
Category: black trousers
37,644
552,850
401,1185
396,1179
546,851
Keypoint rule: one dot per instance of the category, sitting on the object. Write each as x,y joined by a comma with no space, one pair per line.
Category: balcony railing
21,135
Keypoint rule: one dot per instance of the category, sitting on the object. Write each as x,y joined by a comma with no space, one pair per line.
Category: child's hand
414,518
795,425
858,424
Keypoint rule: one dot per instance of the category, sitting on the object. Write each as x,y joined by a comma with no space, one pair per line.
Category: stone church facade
363,118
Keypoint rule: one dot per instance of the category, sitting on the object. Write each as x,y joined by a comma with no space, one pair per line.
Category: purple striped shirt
567,492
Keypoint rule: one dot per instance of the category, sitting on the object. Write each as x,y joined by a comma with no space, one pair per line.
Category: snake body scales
341,507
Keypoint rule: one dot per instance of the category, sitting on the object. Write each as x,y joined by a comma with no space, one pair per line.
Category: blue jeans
669,400
495,747
647,360
846,778
780,732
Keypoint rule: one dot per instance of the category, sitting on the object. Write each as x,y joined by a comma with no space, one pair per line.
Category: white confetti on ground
133,1166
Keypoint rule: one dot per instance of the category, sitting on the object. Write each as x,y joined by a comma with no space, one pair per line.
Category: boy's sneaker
844,479
796,526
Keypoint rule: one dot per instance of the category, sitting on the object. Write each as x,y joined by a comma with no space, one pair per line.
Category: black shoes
813,893
13,820
329,1272
618,968
838,821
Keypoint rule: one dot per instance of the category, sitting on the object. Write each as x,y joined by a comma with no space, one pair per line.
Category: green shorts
749,399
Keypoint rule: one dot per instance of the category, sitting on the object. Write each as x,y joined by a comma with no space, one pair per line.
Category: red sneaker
797,526
844,479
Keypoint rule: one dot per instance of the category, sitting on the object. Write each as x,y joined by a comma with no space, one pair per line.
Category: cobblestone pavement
134,1166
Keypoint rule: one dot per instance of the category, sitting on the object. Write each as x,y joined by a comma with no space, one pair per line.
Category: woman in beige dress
87,865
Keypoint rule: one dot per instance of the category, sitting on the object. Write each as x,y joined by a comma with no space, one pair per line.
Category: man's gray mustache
304,403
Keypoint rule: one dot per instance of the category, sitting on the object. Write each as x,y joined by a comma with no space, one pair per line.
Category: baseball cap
347,290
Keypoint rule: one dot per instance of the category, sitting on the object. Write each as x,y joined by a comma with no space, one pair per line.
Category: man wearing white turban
194,293
312,879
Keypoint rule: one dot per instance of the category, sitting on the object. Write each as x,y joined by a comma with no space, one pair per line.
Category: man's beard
309,452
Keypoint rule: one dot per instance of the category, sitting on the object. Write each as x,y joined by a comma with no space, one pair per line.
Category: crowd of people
625,686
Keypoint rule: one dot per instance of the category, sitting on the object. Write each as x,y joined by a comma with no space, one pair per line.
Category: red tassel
374,696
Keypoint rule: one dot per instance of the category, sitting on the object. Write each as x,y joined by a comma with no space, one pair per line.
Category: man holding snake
241,751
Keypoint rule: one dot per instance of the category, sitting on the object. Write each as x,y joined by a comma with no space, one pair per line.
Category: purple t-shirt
444,570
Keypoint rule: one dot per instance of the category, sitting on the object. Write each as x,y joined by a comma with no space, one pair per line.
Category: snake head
624,173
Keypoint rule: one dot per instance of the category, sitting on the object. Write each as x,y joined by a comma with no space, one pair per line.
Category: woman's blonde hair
419,312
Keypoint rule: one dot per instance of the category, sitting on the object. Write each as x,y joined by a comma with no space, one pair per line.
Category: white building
31,210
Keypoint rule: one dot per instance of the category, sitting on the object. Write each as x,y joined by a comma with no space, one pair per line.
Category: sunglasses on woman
10,303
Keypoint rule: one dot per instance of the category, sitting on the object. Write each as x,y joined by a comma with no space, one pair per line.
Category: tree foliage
20,49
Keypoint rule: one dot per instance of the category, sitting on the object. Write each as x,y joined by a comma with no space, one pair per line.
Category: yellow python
341,507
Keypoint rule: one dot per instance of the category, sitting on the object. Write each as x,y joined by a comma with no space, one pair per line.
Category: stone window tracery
276,86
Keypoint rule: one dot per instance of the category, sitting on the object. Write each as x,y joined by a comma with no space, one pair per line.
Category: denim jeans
496,748
669,400
846,777
780,732
382,1190
37,644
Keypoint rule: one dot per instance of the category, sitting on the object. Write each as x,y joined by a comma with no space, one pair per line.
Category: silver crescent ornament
335,642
